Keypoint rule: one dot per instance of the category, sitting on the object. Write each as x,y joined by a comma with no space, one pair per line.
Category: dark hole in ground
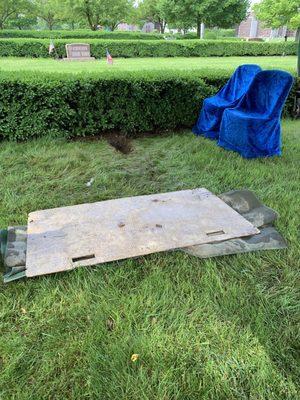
120,143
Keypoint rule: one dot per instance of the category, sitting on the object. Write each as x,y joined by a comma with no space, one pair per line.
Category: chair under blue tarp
253,127
210,117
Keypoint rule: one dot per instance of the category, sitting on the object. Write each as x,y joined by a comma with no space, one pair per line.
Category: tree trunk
90,21
161,26
198,27
297,37
50,21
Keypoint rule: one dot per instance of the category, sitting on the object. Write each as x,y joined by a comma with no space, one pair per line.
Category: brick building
252,28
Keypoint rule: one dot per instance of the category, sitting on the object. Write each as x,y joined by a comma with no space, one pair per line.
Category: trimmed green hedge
33,105
149,48
135,35
211,34
79,34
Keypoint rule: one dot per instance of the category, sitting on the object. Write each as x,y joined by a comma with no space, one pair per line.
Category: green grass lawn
222,328
153,64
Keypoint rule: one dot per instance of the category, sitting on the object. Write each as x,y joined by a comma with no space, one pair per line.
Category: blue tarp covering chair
253,127
210,117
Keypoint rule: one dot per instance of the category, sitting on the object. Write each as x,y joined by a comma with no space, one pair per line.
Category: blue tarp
253,128
210,117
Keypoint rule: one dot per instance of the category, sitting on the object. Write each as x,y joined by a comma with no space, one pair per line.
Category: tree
9,8
278,13
70,13
48,10
220,13
21,21
89,9
114,12
156,11
104,12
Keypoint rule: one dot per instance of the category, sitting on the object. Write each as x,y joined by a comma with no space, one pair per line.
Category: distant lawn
216,329
154,64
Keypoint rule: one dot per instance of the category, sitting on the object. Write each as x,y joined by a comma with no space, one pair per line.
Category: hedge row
136,35
149,48
33,105
79,34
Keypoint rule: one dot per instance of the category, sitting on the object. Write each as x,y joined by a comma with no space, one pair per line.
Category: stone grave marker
78,52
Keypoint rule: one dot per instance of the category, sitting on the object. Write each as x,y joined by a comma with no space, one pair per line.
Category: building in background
252,28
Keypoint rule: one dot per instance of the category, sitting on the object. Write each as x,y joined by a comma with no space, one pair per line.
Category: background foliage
105,13
181,15
277,13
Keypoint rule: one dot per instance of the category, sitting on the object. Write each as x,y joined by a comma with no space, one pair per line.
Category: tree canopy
103,12
277,13
9,9
180,14
48,10
185,14
220,13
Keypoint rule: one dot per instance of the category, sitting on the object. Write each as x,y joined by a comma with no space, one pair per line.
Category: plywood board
64,238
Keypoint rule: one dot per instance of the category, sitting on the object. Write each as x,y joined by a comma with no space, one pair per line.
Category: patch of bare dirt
120,143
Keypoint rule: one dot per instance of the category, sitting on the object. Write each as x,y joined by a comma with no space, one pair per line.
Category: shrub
39,105
88,34
212,34
78,105
77,34
150,48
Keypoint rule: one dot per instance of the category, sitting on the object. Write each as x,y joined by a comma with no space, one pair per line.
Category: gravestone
78,52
